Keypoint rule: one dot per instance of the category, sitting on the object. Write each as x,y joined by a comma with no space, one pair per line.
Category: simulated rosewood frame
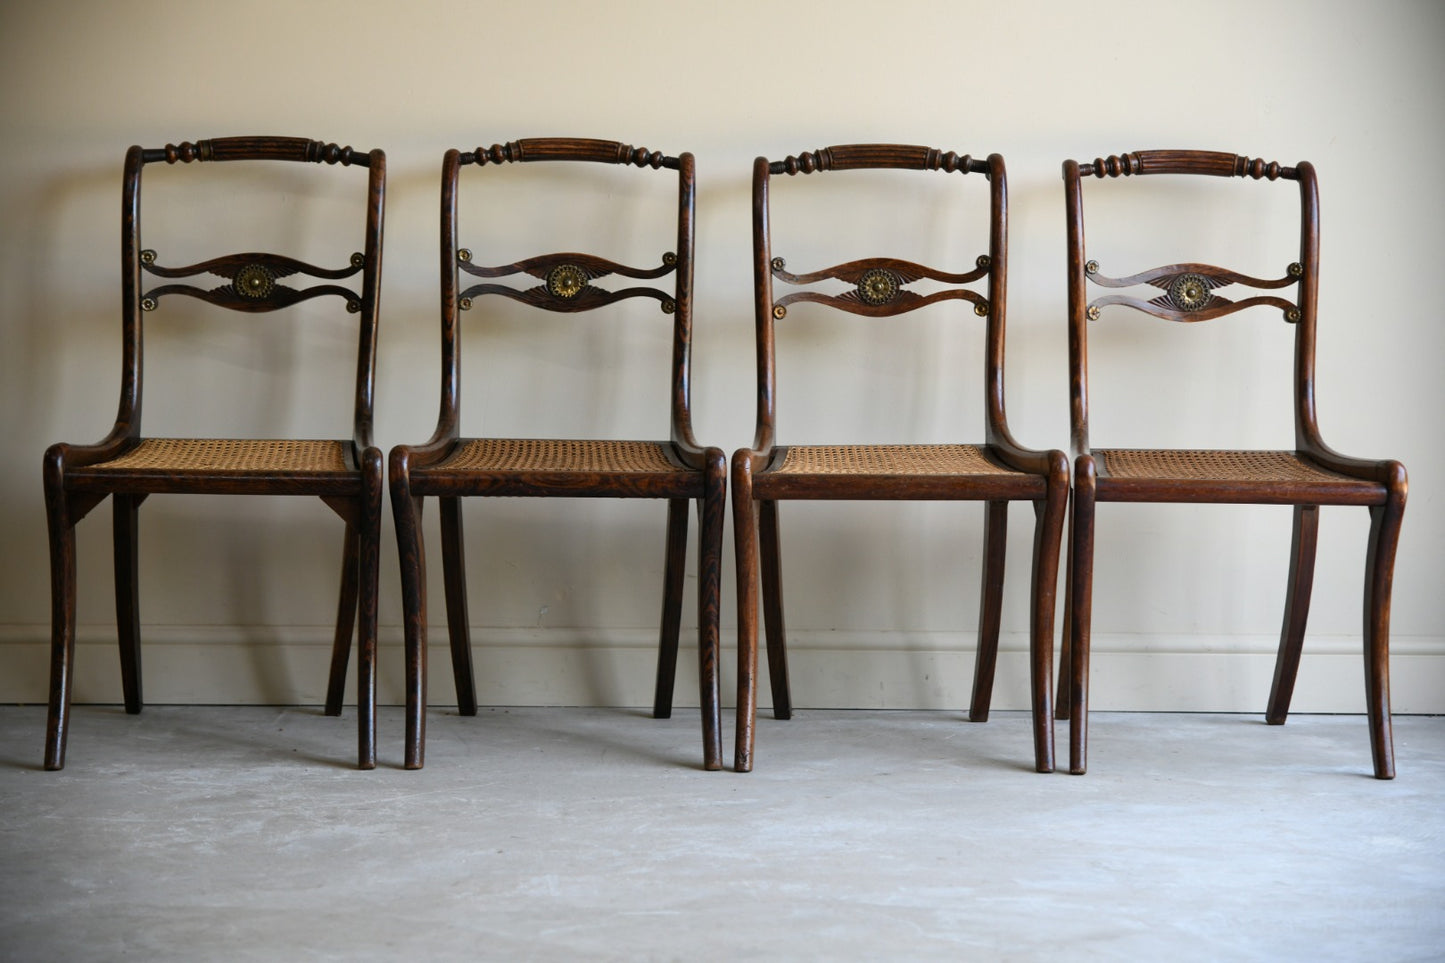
1189,294
879,290
253,282
561,282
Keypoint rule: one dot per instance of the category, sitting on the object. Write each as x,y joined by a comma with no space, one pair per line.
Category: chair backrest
1189,289
564,282
256,281
879,284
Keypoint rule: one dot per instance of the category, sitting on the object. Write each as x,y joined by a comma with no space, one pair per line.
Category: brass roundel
779,312
464,254
147,304
981,309
465,304
668,305
254,281
1092,267
984,261
353,306
669,259
358,259
148,256
1296,269
777,263
1189,292
1292,315
566,281
1093,312
878,286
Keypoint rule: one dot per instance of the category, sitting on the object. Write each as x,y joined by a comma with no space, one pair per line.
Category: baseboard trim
287,665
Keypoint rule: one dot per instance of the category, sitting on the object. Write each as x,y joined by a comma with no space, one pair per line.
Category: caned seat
996,471
451,467
128,467
1310,475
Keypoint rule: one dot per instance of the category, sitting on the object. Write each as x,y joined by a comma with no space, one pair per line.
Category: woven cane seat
545,454
230,456
1220,466
888,460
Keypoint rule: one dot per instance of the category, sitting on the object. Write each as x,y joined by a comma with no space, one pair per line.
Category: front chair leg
1379,575
1061,692
711,509
411,557
1048,525
1082,565
745,549
127,597
1296,611
369,551
62,630
990,609
673,576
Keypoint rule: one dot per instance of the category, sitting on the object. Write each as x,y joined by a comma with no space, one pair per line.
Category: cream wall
881,599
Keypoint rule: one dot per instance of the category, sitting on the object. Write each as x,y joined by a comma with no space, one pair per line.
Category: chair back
569,282
879,285
1190,292
254,281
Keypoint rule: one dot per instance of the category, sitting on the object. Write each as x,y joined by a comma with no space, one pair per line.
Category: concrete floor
195,834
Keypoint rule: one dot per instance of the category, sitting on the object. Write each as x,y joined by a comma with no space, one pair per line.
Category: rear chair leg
345,622
1082,565
1296,611
127,597
673,577
771,559
990,609
459,630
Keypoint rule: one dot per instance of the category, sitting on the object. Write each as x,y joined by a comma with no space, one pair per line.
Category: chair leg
62,626
1296,611
127,597
345,622
411,556
1379,575
1082,574
773,623
673,577
990,609
711,509
454,576
745,548
1048,525
369,574
1061,692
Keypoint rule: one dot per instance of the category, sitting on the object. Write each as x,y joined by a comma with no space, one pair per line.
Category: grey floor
563,834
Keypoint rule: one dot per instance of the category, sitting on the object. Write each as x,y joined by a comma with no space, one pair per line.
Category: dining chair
996,471
450,466
129,466
1308,476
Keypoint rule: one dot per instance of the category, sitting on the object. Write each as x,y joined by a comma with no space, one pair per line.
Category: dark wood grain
442,466
1310,475
1009,472
77,477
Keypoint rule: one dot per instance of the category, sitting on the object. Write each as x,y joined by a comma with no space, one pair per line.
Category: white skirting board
893,670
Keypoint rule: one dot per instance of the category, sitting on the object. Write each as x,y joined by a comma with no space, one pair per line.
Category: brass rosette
878,286
566,281
1189,292
254,281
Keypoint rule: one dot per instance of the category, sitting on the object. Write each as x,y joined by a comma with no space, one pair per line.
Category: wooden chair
129,467
1307,477
450,466
996,472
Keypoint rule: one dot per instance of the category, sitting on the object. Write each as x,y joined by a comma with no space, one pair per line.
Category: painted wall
237,595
